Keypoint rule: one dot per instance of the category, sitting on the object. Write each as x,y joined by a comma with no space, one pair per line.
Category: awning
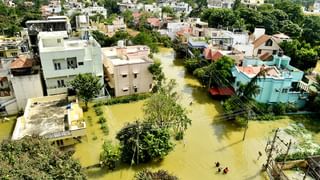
225,91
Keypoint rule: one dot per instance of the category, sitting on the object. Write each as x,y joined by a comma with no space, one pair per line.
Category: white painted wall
27,86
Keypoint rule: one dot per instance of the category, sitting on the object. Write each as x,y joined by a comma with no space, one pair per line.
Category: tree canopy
87,86
36,158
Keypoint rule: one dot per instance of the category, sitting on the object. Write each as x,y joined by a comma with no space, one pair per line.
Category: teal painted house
282,83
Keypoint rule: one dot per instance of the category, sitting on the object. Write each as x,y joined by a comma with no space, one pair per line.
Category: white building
62,59
117,25
220,3
126,69
173,28
94,10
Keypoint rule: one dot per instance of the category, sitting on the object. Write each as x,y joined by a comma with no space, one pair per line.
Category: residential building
52,117
198,28
178,7
220,3
265,46
316,6
281,83
82,22
62,59
174,27
126,69
154,22
12,49
25,79
280,37
53,8
53,23
117,25
94,10
152,8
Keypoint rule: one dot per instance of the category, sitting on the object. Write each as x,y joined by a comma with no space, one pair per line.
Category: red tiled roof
265,56
136,15
154,21
21,62
262,39
212,55
225,91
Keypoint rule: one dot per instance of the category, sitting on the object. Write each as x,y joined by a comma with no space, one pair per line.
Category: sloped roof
154,21
262,39
265,56
209,54
21,62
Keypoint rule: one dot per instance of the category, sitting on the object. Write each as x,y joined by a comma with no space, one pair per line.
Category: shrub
94,137
123,99
279,109
104,128
102,120
98,111
160,174
110,155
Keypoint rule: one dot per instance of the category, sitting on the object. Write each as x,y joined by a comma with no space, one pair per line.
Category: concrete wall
28,86
142,81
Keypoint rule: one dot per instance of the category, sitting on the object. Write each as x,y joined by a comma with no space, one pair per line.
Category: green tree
291,29
158,76
87,87
310,27
217,17
146,174
128,17
293,10
111,6
163,110
110,155
141,142
145,38
217,73
36,158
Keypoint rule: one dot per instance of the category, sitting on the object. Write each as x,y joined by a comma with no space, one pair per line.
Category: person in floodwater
217,164
190,103
225,170
260,154
219,169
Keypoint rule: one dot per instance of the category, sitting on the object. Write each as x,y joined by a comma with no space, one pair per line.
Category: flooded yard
205,142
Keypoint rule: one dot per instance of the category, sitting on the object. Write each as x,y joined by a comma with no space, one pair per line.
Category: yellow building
11,47
54,118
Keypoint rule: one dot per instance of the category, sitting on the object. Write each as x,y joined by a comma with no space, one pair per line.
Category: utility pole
271,150
246,127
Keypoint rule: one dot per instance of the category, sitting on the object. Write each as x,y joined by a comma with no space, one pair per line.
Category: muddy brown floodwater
206,140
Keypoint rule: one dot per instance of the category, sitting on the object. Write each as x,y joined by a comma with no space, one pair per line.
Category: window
57,66
14,54
274,52
135,89
135,75
125,89
80,63
284,90
61,83
150,86
259,51
72,63
124,75
58,40
1,54
269,42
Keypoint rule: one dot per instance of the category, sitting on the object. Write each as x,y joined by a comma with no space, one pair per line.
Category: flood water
206,140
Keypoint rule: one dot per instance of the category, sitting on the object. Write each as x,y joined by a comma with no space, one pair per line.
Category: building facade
126,69
62,59
282,82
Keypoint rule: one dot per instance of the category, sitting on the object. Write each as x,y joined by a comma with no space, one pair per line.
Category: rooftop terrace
49,116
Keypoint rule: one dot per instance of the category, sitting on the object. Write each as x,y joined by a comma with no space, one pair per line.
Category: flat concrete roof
43,116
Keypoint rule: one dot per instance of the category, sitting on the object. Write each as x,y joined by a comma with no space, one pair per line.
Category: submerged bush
102,120
98,111
158,175
123,99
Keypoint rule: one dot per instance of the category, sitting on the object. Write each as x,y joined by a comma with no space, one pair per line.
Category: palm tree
250,90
